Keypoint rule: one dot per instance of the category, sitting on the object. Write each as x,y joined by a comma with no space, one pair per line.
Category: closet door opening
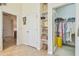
64,21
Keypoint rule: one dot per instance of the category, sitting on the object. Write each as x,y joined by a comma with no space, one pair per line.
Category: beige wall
9,25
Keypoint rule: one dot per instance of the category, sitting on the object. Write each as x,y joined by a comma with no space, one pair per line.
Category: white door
36,30
32,30
29,31
1,28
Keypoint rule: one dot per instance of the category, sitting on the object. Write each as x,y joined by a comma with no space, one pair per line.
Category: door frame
53,29
3,12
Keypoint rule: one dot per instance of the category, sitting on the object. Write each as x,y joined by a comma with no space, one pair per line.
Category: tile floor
22,50
10,49
8,42
65,51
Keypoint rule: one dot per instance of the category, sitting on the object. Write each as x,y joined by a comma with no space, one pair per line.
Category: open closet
65,30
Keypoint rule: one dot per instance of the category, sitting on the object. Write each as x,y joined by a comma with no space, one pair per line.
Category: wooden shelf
44,25
45,41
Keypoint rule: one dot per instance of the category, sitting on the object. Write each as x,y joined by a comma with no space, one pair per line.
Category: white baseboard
50,53
33,46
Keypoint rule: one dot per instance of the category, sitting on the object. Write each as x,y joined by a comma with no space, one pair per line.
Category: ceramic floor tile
23,50
65,51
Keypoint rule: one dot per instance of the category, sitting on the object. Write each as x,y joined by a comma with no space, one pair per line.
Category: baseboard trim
50,53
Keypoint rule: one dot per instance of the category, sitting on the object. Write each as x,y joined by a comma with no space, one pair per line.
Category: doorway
9,30
64,21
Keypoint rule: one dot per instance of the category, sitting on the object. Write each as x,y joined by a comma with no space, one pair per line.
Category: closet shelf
44,27
44,41
44,13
